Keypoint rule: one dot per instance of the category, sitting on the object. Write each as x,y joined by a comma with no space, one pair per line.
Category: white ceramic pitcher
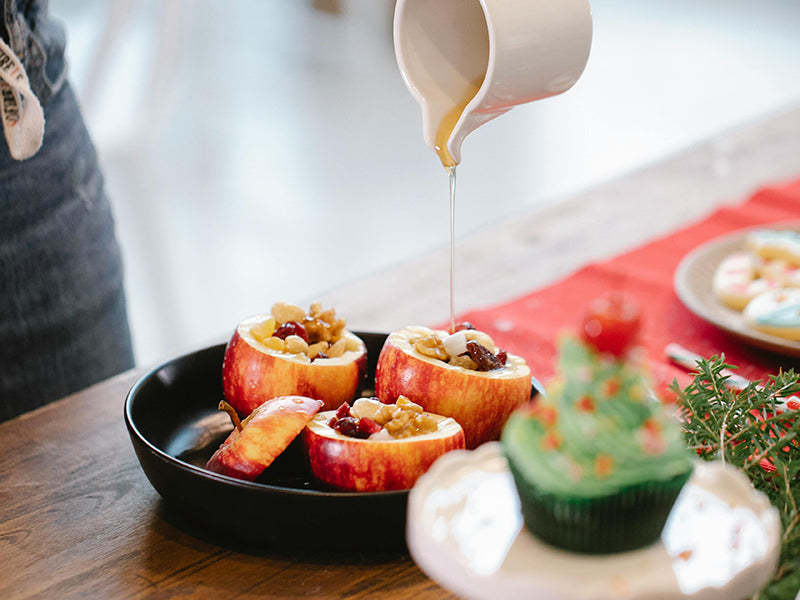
469,61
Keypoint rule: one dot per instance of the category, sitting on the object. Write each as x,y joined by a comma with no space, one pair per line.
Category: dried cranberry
291,328
366,427
347,426
343,411
483,357
502,356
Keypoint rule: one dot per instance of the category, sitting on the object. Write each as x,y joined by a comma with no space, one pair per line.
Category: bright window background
260,151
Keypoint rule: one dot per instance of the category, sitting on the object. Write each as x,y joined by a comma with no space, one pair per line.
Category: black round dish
174,424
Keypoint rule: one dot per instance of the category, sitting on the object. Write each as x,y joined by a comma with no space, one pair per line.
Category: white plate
465,531
693,285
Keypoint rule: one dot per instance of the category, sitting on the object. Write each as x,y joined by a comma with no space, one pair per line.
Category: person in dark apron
63,319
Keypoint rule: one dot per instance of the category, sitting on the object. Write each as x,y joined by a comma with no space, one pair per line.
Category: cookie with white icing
776,312
737,279
770,244
780,270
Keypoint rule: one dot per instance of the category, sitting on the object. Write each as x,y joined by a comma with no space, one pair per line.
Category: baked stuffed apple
462,375
290,351
372,446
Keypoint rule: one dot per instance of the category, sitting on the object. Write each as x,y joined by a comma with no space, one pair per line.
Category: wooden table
78,517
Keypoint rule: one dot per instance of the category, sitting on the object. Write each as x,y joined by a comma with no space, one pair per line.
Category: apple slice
258,365
262,437
480,400
379,462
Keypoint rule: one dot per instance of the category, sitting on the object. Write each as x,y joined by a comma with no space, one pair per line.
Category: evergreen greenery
745,429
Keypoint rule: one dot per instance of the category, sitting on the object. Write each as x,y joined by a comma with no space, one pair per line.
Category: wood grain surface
79,519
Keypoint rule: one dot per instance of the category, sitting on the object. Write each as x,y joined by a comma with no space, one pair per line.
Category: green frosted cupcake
598,463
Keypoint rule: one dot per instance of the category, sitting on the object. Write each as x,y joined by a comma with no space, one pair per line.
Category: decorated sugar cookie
738,279
783,244
781,270
776,312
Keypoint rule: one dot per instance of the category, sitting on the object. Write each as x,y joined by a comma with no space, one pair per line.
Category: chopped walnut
316,334
316,349
338,348
465,362
466,348
400,420
283,312
265,329
431,346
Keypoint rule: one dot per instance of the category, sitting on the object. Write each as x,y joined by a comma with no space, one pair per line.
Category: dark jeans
63,322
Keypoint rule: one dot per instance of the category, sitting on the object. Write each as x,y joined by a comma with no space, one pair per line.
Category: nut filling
371,418
316,334
467,348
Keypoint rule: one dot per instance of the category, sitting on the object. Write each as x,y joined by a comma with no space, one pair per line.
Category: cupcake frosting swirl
599,430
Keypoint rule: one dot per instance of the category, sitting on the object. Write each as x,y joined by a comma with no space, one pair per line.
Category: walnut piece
323,331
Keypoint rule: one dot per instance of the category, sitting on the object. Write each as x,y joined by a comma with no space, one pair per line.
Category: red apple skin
481,402
252,374
267,432
364,465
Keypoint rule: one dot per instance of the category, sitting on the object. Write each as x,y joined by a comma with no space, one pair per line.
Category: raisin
464,325
483,357
291,328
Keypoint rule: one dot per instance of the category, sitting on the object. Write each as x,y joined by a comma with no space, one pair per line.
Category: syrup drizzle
451,172
443,133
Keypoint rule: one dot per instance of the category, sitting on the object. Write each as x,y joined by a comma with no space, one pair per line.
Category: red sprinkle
551,441
547,415
612,386
585,403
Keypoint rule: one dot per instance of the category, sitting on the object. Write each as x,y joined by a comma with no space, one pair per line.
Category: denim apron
63,323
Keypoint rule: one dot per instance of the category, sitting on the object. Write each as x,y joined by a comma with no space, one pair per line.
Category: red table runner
529,325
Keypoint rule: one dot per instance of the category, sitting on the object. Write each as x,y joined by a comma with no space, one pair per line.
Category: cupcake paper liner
631,518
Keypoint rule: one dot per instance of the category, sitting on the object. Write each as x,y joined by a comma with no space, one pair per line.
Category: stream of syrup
443,133
451,172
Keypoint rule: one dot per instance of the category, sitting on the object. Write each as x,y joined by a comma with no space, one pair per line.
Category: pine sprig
746,429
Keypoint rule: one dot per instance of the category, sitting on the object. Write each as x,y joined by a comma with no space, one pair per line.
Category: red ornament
611,323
